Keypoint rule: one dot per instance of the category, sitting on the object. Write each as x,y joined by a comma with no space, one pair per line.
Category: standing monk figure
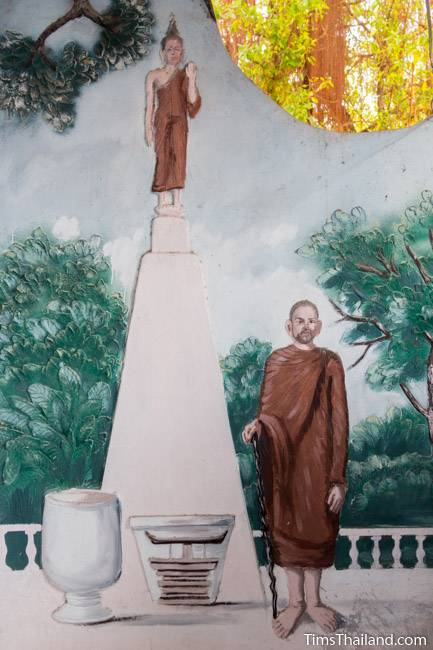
302,428
171,95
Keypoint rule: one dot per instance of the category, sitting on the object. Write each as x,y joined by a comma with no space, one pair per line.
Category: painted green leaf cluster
400,431
390,472
49,83
242,372
62,331
379,278
390,491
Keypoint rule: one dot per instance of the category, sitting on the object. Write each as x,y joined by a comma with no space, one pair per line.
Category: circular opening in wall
343,65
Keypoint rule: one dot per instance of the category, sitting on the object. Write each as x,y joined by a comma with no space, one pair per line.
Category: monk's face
304,325
173,51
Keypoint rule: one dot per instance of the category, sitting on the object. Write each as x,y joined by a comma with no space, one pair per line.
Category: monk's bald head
304,323
303,303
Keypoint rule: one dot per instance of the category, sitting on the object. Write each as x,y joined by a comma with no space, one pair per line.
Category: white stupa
171,451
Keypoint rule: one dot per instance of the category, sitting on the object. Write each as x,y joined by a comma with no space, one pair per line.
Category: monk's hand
148,133
336,498
249,431
191,70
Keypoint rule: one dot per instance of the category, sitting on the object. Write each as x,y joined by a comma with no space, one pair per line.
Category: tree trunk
329,53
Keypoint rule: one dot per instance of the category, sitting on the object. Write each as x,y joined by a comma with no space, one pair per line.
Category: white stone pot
81,551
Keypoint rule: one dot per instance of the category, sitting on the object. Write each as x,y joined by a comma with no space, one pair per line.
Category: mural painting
166,125
135,374
302,425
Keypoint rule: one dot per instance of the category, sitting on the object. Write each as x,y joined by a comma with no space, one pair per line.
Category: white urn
81,551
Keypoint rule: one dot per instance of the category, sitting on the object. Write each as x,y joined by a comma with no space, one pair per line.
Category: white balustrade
376,535
352,534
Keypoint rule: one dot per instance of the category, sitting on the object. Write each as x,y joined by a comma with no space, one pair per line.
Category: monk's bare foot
286,620
323,616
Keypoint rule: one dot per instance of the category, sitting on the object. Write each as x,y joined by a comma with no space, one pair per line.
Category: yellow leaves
388,79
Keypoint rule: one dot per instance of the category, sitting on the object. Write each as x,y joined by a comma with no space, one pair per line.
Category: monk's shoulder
333,360
277,354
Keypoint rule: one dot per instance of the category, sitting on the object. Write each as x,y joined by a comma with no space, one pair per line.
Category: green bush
400,431
62,331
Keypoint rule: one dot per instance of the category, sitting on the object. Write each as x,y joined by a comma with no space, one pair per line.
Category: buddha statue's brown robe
171,132
302,442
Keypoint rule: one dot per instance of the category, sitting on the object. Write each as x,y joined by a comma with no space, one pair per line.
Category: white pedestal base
82,609
170,235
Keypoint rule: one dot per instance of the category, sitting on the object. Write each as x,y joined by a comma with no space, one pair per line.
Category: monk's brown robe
303,438
171,129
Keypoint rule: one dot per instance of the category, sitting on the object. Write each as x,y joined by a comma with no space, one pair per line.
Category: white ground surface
401,604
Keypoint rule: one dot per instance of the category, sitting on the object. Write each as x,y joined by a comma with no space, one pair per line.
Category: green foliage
387,79
62,334
389,491
272,44
243,371
379,278
400,431
48,83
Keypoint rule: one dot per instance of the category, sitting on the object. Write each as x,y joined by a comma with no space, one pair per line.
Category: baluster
420,552
3,552
375,552
353,552
396,553
31,552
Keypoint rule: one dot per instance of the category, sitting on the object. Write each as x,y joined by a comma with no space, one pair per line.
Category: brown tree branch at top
79,9
422,271
368,268
386,335
413,400
429,337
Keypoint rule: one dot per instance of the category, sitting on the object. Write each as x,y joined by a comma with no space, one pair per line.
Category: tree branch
394,267
78,9
423,273
367,268
389,265
429,337
379,339
413,400
368,345
386,336
360,319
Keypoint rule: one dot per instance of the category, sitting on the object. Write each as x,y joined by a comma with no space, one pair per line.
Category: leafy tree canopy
62,331
33,79
339,64
379,279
